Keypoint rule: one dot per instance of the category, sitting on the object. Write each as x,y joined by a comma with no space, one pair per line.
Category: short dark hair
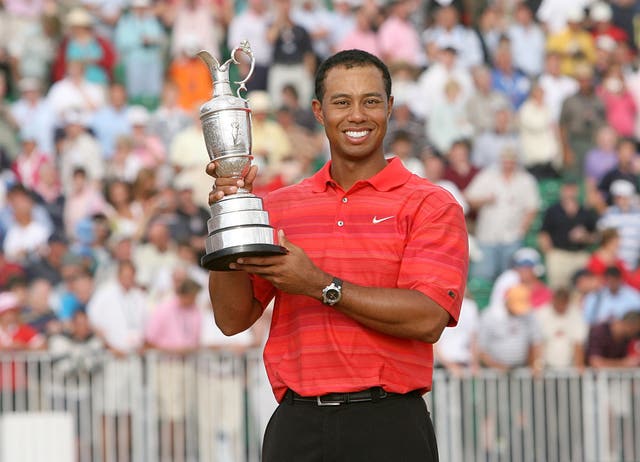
350,59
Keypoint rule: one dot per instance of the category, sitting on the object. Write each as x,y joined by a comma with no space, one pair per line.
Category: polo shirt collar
392,176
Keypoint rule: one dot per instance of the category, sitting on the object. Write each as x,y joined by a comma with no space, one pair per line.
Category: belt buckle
326,403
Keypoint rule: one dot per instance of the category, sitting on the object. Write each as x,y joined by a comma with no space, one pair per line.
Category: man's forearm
234,308
402,313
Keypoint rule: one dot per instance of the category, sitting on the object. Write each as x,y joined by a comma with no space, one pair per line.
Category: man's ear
390,109
316,107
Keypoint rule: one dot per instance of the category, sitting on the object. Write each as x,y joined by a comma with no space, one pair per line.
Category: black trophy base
219,260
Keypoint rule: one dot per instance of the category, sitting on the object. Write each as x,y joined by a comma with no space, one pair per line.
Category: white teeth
353,134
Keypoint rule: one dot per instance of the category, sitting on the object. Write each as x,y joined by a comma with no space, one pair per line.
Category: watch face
332,295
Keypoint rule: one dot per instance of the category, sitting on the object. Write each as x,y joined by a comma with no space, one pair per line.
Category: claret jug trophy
238,225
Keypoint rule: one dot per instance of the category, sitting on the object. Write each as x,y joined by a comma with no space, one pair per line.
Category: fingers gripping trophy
238,225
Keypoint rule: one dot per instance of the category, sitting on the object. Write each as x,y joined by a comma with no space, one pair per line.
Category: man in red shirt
375,269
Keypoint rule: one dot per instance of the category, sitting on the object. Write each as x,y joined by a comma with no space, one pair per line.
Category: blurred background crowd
526,111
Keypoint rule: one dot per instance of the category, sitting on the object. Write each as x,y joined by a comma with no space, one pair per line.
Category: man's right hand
226,186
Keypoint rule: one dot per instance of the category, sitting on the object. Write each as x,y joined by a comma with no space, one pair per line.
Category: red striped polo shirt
393,230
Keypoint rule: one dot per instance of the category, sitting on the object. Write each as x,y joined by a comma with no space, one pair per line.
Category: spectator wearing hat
15,334
582,114
568,230
574,44
484,102
79,149
83,44
624,216
507,200
398,38
527,41
293,60
139,39
601,15
430,89
527,269
448,32
612,301
252,25
32,113
564,332
111,121
509,335
28,163
74,92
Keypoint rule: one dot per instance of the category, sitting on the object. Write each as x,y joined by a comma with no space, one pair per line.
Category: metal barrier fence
213,407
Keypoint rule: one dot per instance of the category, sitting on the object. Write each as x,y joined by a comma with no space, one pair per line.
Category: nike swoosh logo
377,220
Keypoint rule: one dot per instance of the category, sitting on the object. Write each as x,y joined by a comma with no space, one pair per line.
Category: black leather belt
336,399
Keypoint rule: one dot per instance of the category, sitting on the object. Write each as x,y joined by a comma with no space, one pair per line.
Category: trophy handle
246,49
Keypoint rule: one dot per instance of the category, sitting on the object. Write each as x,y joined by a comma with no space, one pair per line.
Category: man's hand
293,272
226,186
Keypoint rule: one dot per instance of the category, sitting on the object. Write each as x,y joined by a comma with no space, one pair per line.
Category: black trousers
393,429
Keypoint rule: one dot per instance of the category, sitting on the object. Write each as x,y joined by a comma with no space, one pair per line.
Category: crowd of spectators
103,188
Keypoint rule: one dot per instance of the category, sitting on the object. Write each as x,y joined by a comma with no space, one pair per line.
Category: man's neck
347,173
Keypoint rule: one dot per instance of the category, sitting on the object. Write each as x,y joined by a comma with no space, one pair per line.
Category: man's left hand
293,272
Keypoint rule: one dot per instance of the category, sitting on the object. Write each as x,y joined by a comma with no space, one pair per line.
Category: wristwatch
332,293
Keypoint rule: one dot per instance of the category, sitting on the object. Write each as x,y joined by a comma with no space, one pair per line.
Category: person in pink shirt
362,36
618,101
175,324
398,38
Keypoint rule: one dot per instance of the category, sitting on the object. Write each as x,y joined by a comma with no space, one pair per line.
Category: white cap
79,17
138,115
600,12
575,14
259,101
622,188
8,301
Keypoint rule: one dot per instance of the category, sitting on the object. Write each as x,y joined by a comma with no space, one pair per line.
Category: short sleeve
436,256
263,290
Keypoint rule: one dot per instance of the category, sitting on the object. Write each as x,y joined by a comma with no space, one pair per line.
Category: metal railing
213,407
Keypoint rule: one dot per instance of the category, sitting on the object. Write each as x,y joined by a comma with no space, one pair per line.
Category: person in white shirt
564,332
556,86
33,112
75,92
118,311
457,348
527,41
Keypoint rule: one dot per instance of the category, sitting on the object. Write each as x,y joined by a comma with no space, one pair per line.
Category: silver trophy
238,225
